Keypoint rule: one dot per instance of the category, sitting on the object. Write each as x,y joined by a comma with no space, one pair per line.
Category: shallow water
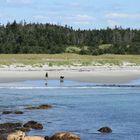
79,107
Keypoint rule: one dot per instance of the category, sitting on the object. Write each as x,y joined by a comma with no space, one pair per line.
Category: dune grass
67,59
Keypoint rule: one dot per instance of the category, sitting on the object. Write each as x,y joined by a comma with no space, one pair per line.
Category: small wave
71,87
50,87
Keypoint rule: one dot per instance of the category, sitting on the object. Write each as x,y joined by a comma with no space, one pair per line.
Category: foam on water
84,87
26,88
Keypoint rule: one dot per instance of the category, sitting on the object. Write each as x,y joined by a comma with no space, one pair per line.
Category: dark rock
18,112
105,130
7,112
64,136
45,106
33,125
9,127
11,112
47,138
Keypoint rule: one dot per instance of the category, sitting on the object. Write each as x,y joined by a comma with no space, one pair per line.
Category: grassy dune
68,59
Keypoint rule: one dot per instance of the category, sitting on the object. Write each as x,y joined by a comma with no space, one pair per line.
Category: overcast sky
82,14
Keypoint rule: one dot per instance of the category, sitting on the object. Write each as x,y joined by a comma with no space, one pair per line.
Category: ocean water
81,108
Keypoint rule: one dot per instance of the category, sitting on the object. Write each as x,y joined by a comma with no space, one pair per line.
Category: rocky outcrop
44,106
105,130
33,125
9,127
20,135
64,136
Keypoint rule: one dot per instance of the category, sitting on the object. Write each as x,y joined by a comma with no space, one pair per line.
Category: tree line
50,39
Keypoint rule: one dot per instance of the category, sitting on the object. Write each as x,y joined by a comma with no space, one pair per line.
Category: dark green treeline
47,38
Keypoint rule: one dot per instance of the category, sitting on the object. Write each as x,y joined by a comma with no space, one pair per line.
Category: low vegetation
67,59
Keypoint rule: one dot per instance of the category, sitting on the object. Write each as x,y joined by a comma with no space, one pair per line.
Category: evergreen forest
38,38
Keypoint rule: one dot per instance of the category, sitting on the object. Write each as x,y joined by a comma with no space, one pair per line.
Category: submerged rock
18,112
33,125
44,106
64,136
7,112
12,112
105,130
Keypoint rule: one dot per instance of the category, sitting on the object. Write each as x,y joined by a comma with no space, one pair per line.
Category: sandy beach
100,74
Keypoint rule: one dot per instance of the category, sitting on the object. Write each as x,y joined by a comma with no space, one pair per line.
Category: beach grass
68,59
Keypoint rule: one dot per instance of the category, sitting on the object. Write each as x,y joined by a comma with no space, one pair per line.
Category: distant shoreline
96,74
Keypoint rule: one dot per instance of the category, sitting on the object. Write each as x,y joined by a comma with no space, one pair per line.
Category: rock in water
9,127
64,136
45,106
18,112
12,112
33,125
105,130
7,112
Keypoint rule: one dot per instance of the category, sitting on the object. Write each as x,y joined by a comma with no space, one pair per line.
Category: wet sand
96,75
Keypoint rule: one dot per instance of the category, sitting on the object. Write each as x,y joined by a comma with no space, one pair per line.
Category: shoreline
96,74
